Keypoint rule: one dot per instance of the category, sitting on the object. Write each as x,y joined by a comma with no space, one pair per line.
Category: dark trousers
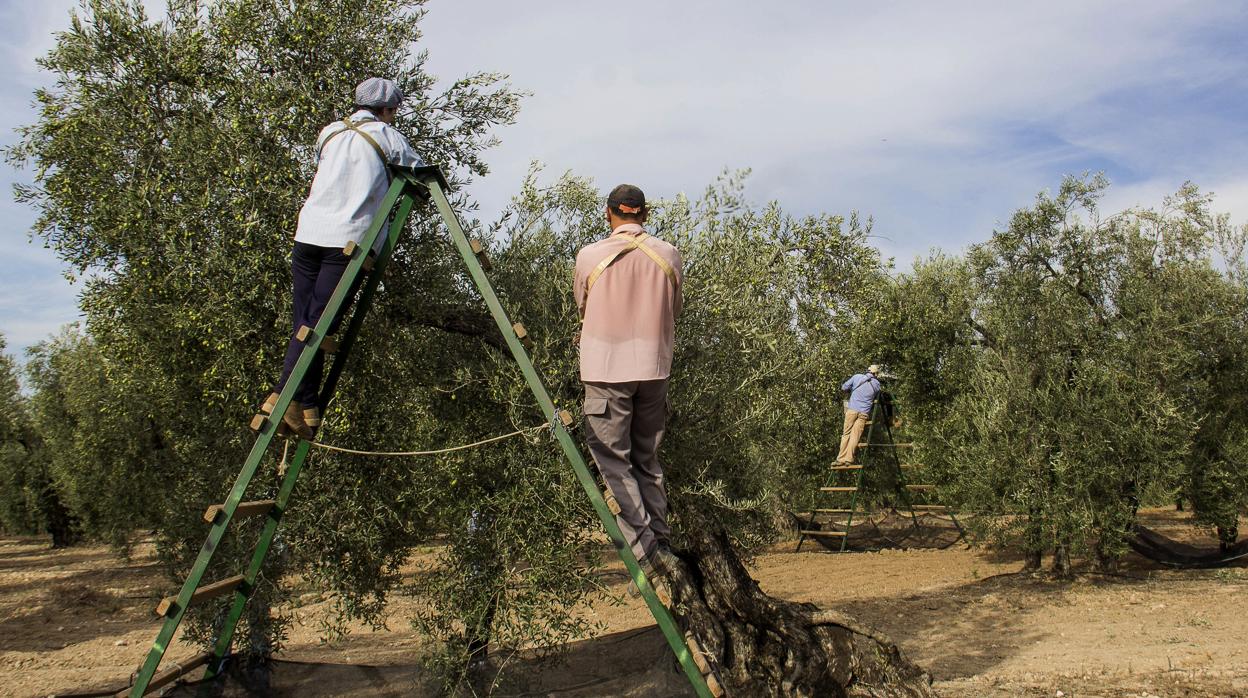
316,271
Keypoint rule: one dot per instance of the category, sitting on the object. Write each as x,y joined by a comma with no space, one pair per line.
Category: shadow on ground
633,663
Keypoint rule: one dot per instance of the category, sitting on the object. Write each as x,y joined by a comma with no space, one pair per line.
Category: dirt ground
81,619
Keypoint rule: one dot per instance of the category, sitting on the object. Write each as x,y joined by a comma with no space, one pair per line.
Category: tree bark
1061,560
763,646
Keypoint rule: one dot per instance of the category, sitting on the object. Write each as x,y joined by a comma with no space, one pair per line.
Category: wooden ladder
831,517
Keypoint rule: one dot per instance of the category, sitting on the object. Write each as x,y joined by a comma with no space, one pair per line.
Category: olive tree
1063,370
170,159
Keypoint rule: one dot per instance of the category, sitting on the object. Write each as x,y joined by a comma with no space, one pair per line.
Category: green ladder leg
400,188
225,636
664,618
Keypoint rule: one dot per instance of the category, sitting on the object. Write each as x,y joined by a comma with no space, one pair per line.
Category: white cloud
939,119
831,106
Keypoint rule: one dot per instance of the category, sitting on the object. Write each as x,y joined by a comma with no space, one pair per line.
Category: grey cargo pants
624,426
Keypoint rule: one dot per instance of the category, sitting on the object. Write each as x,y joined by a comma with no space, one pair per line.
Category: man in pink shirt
628,290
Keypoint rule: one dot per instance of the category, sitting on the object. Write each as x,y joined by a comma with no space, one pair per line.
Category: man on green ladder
863,389
628,291
352,176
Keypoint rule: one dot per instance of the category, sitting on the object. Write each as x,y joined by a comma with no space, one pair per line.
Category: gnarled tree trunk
763,646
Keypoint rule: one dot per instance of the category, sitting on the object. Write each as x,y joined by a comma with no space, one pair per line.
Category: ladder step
838,489
834,511
172,674
211,591
929,507
479,250
713,685
613,505
244,510
920,487
522,335
699,657
329,345
834,534
846,467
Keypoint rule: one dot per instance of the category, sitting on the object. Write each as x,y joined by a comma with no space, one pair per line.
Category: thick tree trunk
1061,560
763,646
1032,560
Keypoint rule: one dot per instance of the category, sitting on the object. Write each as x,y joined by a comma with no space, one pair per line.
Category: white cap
378,92
874,369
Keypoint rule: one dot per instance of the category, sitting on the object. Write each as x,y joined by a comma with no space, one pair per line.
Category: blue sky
937,119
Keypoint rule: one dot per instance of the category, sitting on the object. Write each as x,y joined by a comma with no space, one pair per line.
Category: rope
519,432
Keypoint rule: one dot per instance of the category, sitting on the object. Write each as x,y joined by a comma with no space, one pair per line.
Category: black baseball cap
629,196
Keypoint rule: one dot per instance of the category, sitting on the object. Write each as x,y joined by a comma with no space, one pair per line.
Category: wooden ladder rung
699,656
168,676
613,505
838,489
257,422
244,509
479,250
522,335
329,345
929,507
713,685
920,487
833,534
846,467
834,511
204,593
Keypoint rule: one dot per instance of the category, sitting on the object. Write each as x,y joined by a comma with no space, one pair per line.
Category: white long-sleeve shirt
350,181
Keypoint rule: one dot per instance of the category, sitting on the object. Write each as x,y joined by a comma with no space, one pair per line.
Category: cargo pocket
595,407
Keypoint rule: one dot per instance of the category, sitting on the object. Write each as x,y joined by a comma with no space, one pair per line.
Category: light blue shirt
863,388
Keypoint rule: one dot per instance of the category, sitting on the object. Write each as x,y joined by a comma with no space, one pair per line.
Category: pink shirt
629,316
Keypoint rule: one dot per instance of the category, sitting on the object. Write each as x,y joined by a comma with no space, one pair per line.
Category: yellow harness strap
351,126
637,243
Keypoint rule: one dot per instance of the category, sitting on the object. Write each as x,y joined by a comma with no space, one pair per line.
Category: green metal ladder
886,450
408,188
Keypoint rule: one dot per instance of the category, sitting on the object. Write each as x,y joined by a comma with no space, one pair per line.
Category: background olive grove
1068,370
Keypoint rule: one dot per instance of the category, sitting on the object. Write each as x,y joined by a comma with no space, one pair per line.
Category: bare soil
81,619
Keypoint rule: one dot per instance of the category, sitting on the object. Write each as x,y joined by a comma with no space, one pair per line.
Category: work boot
312,417
293,420
269,403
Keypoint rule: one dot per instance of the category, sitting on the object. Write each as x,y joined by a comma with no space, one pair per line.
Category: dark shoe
664,559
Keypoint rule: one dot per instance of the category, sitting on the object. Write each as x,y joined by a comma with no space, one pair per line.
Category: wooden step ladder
409,188
879,450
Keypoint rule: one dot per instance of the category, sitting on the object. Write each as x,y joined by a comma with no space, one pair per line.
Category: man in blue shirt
863,389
